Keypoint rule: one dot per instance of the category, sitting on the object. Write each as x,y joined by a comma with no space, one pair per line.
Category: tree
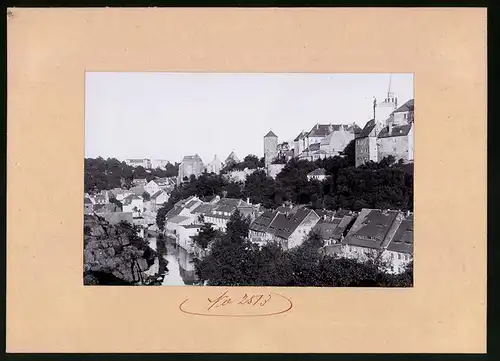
206,235
146,196
237,228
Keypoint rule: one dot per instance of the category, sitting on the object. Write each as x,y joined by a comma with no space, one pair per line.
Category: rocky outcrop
115,250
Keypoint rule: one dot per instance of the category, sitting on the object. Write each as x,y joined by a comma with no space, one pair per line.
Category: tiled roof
191,226
284,226
302,135
203,208
370,228
342,227
325,229
369,126
356,129
396,131
261,223
270,134
313,147
406,107
191,203
320,130
232,157
403,239
178,219
157,194
174,212
318,171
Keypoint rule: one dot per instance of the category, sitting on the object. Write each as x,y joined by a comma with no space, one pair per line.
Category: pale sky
170,115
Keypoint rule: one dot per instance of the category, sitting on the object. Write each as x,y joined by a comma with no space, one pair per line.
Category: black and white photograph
248,179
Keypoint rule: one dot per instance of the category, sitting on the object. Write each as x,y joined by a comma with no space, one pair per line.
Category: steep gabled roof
270,134
371,228
283,226
403,239
262,223
396,131
320,130
406,107
325,229
340,230
157,194
203,208
232,157
302,135
369,126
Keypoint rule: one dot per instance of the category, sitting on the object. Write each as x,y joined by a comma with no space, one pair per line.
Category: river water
178,270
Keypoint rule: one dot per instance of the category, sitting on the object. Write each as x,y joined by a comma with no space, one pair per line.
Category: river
178,270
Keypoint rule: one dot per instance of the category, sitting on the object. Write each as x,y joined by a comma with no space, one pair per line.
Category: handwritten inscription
238,304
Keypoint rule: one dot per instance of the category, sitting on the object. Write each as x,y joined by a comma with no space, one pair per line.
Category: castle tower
270,148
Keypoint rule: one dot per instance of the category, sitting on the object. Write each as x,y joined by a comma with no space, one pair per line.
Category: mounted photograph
248,179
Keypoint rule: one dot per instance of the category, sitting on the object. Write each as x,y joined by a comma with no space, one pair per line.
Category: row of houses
187,216
382,235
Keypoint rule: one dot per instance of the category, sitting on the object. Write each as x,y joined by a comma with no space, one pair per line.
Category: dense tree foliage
101,174
235,261
206,235
250,161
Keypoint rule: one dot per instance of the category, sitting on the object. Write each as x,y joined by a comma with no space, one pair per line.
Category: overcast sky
170,115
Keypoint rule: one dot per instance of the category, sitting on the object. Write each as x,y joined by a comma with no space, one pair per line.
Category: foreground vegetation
235,261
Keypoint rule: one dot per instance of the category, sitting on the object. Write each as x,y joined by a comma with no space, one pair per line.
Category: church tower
383,110
270,148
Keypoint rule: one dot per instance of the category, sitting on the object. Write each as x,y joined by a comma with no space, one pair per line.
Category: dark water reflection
175,264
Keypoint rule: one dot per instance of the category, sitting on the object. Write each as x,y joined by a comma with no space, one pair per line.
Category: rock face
115,250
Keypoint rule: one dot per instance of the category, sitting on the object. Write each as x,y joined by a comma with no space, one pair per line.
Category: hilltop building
145,163
392,136
190,165
215,166
324,140
231,159
390,132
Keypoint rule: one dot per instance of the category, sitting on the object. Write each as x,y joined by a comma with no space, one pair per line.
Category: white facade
215,166
151,187
134,205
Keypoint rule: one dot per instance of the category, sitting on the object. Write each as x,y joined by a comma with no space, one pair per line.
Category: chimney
390,127
317,126
248,200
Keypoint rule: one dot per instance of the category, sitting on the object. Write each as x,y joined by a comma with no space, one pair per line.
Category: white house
152,187
317,174
134,204
160,197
